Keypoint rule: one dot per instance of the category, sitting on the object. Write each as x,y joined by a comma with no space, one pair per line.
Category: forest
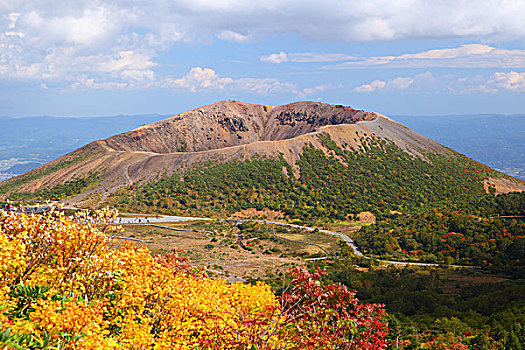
434,210
379,177
429,306
450,237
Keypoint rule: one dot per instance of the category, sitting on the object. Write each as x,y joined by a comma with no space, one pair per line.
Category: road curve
345,238
170,218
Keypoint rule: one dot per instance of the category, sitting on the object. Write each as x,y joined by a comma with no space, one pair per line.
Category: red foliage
175,260
330,316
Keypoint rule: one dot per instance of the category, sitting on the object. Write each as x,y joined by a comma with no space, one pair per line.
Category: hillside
495,140
400,196
291,138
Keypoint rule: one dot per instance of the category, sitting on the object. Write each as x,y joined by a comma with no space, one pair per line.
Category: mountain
23,168
33,141
495,140
306,159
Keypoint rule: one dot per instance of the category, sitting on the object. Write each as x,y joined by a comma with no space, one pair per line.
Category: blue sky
80,58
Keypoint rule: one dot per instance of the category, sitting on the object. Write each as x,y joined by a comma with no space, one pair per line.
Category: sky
412,57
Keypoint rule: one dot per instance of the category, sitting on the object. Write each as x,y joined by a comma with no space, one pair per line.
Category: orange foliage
63,280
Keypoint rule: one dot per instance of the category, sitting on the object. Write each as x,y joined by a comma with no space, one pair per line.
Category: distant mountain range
28,142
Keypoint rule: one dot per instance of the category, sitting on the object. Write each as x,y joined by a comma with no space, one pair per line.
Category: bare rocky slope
217,133
232,123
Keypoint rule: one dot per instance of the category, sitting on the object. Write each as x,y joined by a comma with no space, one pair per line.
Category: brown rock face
300,118
232,123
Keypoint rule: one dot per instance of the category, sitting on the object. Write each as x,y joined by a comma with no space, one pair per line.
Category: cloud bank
110,44
429,83
465,56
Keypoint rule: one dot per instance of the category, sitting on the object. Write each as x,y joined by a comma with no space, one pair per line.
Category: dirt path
126,169
345,238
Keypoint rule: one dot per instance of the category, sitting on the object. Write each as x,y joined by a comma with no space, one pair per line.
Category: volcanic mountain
301,140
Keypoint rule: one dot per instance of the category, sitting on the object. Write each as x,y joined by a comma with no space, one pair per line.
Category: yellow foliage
12,261
102,296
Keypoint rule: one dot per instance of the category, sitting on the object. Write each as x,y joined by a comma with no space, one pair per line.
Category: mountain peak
232,123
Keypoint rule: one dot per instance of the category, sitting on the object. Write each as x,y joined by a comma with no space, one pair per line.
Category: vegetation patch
450,237
58,192
432,308
379,178
67,161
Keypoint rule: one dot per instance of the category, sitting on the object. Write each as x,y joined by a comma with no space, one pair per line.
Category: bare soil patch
234,252
252,213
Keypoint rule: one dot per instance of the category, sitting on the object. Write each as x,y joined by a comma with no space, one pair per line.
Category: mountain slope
232,123
231,131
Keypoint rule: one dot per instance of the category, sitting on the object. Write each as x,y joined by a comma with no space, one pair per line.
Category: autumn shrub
65,285
329,316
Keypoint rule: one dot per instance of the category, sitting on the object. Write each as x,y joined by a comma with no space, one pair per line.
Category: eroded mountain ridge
233,123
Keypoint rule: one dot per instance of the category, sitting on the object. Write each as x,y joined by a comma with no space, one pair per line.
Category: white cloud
229,35
508,81
87,27
316,89
464,50
427,83
465,56
421,82
402,83
375,85
12,33
199,79
206,79
275,58
92,84
265,86
137,75
128,60
305,57
11,26
13,17
352,20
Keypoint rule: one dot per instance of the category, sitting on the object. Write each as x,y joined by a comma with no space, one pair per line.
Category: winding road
148,220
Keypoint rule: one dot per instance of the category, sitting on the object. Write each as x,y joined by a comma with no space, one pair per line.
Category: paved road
348,240
155,219
345,238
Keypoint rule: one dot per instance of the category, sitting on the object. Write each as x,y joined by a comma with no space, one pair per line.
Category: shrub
65,284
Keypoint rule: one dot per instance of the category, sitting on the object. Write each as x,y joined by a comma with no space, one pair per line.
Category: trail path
146,220
126,169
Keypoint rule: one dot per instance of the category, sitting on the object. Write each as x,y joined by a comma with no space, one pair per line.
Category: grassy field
247,251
